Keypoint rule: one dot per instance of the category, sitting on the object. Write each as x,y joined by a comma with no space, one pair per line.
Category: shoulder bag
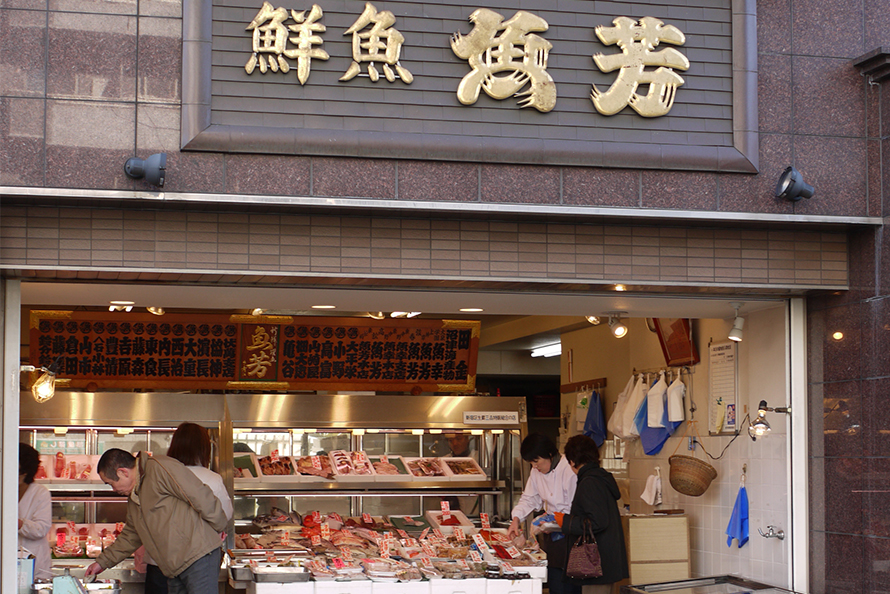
584,556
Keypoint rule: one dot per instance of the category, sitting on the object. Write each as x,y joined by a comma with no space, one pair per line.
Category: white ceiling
500,308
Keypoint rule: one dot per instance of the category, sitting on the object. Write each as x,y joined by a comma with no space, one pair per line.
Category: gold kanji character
258,364
270,36
370,47
517,50
637,40
260,340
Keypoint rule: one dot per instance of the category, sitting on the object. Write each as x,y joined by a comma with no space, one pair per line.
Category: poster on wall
723,383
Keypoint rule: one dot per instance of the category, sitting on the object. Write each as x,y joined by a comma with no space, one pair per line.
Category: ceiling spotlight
792,187
618,329
153,169
158,311
595,320
377,315
736,333
550,350
620,288
256,311
405,314
121,305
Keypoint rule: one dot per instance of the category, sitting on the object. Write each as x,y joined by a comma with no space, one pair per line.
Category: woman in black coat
596,499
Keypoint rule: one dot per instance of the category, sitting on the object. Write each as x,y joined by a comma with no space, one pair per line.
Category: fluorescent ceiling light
551,350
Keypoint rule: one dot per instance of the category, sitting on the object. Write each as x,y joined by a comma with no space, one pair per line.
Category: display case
275,451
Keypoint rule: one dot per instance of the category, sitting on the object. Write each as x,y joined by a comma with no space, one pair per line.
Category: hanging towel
615,421
652,492
675,394
595,426
738,523
582,402
655,402
637,397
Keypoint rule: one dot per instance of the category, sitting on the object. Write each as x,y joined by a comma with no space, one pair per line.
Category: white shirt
552,492
36,513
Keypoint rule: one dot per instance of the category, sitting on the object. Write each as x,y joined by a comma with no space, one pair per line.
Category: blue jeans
201,577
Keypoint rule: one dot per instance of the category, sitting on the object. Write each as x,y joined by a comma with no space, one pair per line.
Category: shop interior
556,391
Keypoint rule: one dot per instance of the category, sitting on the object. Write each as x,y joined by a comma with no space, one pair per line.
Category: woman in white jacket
35,512
551,487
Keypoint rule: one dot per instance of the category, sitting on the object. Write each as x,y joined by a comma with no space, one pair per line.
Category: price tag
485,523
462,563
425,561
335,516
412,542
384,552
384,459
507,567
500,537
72,528
513,552
366,518
270,556
361,457
446,511
316,540
316,462
253,563
60,539
427,549
438,533
424,533
325,531
402,533
285,539
475,557
480,542
119,526
338,563
316,517
274,456
459,534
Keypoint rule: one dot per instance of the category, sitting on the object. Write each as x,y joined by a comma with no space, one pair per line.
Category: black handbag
584,556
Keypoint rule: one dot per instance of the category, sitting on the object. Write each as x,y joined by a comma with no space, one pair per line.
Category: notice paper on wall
724,381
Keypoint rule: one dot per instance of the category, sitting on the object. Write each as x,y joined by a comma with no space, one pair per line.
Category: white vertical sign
723,395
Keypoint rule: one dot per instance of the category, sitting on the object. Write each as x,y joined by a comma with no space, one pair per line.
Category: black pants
155,581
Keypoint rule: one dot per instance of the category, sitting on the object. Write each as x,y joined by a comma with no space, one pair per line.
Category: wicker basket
691,476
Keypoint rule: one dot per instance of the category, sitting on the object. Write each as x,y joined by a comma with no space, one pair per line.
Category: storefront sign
491,418
143,351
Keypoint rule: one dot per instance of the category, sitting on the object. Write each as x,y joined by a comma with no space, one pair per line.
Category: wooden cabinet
657,548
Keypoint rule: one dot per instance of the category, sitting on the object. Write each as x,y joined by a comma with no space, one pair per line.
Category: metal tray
280,574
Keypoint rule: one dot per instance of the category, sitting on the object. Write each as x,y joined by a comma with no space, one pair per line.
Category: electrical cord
737,433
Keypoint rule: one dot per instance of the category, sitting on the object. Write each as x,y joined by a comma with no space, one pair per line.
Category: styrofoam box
468,586
536,571
434,517
397,460
445,477
353,587
277,588
400,588
352,477
531,586
479,474
289,461
312,478
253,463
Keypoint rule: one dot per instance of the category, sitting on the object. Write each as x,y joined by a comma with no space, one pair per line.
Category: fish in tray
315,466
426,467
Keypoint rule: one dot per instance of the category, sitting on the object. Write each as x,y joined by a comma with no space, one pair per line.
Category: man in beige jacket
172,513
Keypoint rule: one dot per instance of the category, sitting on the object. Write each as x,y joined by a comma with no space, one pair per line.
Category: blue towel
738,523
595,423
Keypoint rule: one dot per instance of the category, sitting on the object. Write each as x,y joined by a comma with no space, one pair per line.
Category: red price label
285,539
270,556
274,456
513,552
446,507
507,567
72,527
438,533
338,563
316,517
366,518
402,533
412,542
480,542
253,563
462,563
485,523
316,462
361,457
119,527
384,459
425,561
427,549
459,534
335,516
424,533
325,531
316,540
347,553
475,557
60,539
384,552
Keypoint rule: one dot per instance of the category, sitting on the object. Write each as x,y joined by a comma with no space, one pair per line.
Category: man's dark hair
113,459
29,462
537,446
581,450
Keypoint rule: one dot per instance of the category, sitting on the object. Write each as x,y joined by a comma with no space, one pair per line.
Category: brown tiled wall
352,245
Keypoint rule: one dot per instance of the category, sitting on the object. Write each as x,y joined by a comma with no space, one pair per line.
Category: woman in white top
191,446
551,487
35,512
